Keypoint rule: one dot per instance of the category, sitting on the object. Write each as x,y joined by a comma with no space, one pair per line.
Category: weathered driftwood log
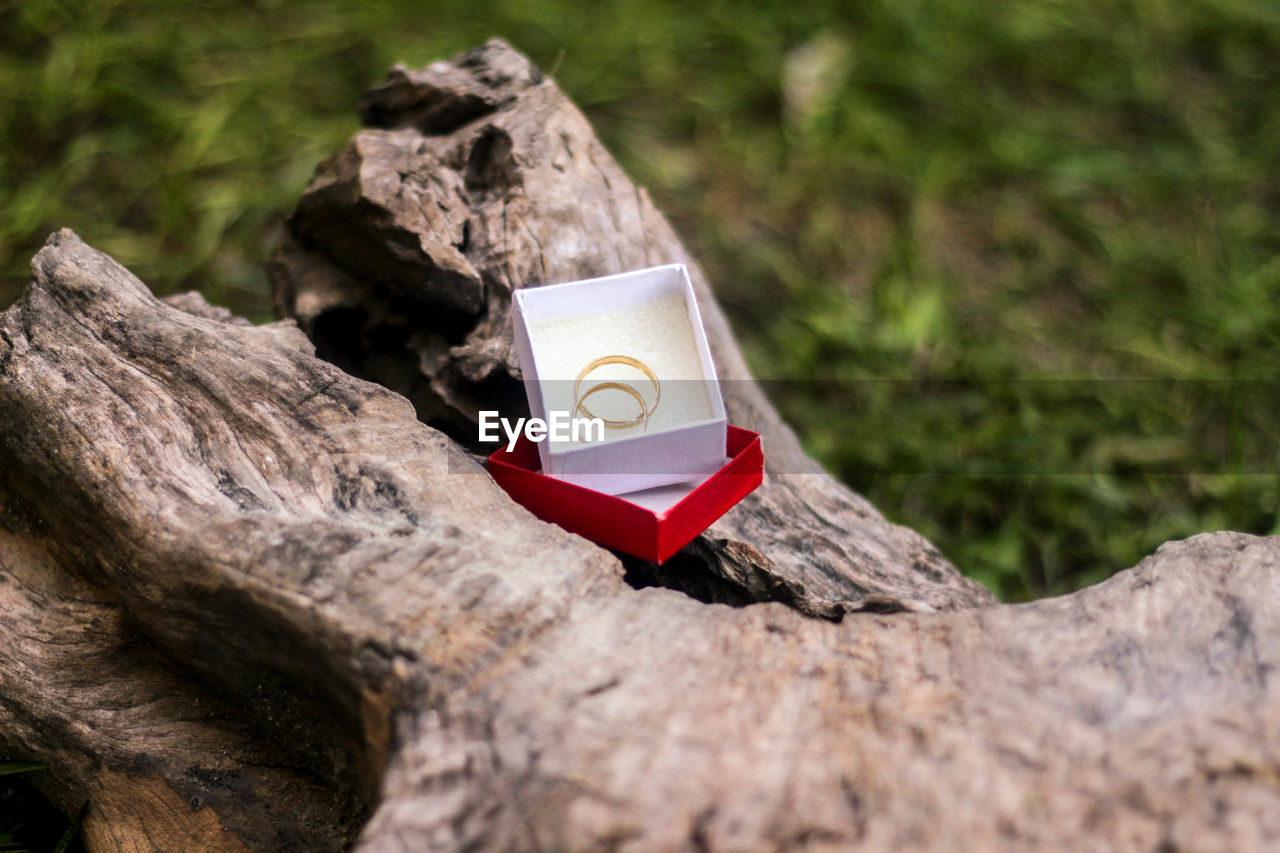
250,601
478,177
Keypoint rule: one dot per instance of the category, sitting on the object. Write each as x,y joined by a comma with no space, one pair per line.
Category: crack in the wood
542,258
316,393
6,351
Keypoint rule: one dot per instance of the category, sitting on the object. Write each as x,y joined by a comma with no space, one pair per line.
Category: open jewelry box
630,350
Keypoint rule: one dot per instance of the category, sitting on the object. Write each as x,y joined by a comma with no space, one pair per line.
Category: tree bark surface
252,602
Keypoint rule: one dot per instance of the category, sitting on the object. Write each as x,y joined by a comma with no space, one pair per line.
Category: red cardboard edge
615,522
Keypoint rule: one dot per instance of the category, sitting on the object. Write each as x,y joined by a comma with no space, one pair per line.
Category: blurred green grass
996,193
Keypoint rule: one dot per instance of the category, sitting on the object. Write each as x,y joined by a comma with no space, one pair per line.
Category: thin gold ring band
610,423
646,411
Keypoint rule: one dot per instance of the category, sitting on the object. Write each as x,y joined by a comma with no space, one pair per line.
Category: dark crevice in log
699,571
684,574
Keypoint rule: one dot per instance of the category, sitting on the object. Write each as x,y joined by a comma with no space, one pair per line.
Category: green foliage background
941,216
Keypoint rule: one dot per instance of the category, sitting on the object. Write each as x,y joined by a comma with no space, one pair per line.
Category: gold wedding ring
580,402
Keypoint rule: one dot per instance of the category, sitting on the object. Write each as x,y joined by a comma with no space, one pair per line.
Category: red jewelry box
652,524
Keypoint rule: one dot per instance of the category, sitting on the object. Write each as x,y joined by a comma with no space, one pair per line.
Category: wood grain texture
252,602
